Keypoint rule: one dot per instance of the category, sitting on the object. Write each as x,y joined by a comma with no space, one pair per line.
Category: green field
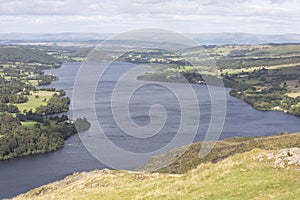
34,101
31,124
277,50
251,69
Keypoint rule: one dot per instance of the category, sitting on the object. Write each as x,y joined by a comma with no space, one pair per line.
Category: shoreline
248,153
65,149
58,147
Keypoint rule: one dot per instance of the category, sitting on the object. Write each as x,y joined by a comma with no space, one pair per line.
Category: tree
82,124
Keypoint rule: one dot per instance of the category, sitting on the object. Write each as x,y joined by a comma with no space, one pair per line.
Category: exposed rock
270,156
260,158
266,157
287,157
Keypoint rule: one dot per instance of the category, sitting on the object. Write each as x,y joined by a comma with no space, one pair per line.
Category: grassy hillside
248,175
23,54
182,160
241,176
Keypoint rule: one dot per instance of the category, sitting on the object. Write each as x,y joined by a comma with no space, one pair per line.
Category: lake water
22,174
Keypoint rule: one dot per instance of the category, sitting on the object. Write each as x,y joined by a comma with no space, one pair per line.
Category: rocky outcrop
286,157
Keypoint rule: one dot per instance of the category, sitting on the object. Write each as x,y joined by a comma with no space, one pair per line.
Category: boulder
286,157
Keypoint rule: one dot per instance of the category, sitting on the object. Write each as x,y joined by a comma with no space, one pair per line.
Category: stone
270,156
286,157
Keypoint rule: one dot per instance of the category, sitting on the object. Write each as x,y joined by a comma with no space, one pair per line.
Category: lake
22,174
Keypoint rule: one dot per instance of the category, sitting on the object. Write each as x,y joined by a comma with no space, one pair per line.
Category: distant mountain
243,38
53,37
201,38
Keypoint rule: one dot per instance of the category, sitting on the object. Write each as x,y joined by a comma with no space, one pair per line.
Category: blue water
22,174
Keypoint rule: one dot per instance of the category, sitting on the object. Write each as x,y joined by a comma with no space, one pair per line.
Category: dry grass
241,176
294,95
189,158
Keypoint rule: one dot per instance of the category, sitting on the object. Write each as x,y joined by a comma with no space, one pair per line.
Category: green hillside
185,159
24,54
248,175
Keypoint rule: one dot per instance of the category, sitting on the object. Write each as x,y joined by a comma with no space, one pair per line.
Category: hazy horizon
107,33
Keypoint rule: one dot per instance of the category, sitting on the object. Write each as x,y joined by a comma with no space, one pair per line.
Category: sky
116,16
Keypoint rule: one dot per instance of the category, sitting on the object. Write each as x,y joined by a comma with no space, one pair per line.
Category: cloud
263,16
